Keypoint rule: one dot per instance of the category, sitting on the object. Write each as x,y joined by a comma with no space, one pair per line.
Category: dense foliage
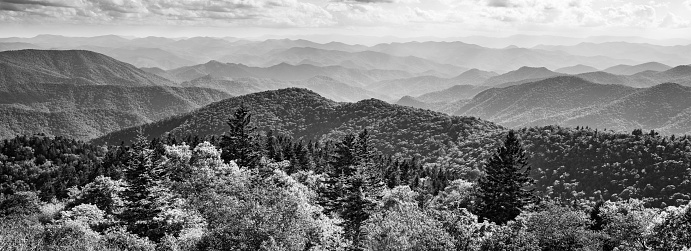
342,192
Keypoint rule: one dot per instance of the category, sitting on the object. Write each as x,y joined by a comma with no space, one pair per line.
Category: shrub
562,228
19,204
69,236
120,239
20,234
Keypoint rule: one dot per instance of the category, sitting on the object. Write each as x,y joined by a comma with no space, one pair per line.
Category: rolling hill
85,112
500,60
637,53
285,72
84,94
573,101
363,60
633,69
21,69
452,94
521,74
416,86
576,69
304,114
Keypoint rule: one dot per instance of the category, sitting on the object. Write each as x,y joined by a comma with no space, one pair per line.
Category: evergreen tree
239,144
505,189
144,195
351,186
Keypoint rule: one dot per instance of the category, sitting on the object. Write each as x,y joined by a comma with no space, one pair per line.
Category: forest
541,188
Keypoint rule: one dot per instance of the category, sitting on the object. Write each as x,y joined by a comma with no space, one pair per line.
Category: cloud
34,2
630,15
674,21
405,14
180,12
377,1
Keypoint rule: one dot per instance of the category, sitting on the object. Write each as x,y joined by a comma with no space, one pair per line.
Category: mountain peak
529,68
372,103
576,69
669,86
74,67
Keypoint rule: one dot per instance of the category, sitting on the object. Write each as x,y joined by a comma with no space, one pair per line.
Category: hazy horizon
378,18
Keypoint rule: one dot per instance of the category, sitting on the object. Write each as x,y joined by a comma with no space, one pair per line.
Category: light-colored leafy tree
629,224
401,225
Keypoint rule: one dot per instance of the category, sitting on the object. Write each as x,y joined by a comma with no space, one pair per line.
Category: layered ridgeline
84,94
443,59
285,72
304,114
363,60
325,86
646,78
423,84
573,101
26,68
568,163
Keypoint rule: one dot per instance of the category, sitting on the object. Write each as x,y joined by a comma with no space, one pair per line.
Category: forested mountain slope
83,94
572,101
592,164
85,112
303,113
28,67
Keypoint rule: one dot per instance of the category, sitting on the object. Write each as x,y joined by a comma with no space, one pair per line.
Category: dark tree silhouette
144,194
238,143
506,187
351,185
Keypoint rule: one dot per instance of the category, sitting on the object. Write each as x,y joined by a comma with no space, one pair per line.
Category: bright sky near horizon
402,18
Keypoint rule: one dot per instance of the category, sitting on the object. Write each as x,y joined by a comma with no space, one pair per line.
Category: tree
351,185
505,189
144,195
402,225
239,143
675,232
103,192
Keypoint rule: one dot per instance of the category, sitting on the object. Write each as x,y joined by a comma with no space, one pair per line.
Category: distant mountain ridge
362,60
633,69
85,112
576,69
285,72
521,74
24,67
573,101
305,114
84,94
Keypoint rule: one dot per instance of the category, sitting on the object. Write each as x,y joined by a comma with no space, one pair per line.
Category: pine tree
352,186
144,195
505,189
239,144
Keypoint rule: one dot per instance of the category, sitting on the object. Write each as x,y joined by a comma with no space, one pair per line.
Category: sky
400,18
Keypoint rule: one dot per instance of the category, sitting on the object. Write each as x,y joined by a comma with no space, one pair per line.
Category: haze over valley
345,125
55,79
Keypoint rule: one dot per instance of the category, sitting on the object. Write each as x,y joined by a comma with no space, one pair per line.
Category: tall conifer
506,188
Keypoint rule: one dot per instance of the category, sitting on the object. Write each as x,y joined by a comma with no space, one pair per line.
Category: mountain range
304,114
84,94
110,82
573,101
